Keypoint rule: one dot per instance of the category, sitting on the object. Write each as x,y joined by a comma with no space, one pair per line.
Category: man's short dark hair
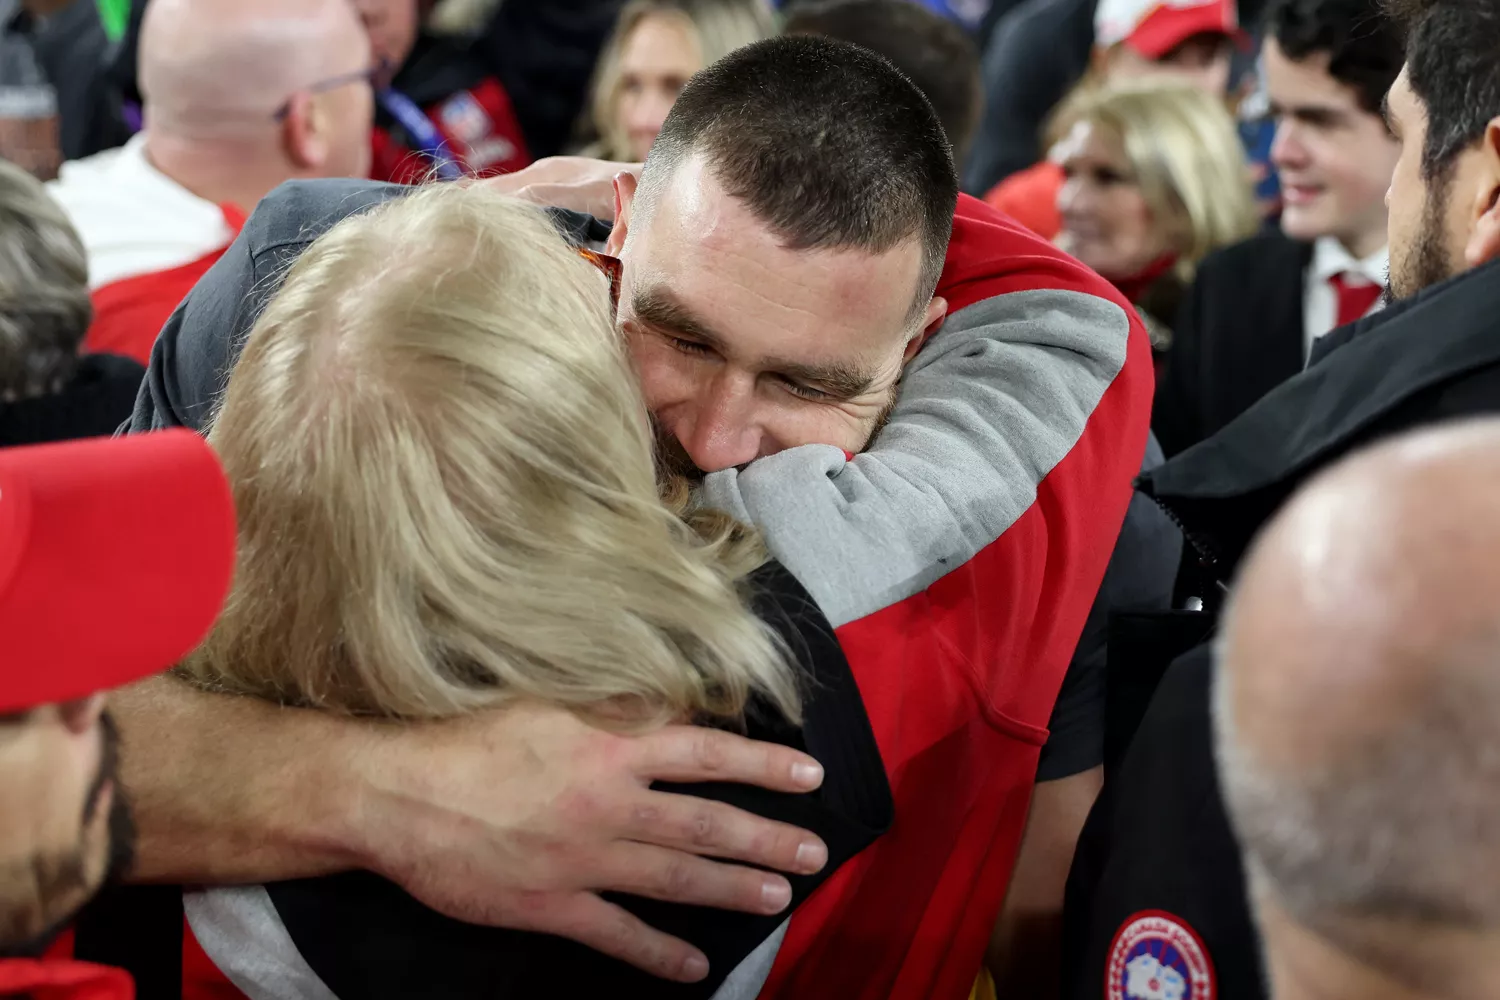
1363,45
825,142
1453,66
932,50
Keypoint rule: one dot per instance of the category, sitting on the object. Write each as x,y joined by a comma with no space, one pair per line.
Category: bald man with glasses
239,97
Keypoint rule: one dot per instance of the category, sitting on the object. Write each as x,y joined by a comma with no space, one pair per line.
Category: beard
64,875
1426,262
674,464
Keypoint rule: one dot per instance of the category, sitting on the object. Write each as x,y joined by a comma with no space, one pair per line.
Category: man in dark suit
1256,308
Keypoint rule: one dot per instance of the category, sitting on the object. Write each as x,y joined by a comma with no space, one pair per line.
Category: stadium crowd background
481,509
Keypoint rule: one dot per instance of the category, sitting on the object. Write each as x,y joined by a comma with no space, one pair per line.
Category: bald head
224,67
1358,704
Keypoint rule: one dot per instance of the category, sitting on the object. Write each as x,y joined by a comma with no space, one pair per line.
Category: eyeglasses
375,76
611,267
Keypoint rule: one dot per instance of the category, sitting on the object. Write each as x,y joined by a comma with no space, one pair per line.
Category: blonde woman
447,500
1155,180
656,46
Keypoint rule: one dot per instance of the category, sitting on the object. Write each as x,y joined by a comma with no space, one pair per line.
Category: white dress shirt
134,219
1320,303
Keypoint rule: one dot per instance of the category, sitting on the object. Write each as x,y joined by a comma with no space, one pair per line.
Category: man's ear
932,322
304,138
625,189
1484,237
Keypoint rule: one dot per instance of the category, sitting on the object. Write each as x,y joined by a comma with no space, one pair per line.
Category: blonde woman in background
1155,180
656,46
444,475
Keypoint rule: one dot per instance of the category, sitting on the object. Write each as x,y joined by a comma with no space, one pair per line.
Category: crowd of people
711,498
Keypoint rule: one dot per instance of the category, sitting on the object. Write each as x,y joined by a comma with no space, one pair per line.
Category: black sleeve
1177,415
544,51
1021,87
1141,575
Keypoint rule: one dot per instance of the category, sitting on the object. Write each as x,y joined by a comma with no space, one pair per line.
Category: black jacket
1138,582
96,401
1158,839
1239,334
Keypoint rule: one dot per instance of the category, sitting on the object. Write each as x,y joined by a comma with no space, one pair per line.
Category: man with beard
95,592
1157,887
793,261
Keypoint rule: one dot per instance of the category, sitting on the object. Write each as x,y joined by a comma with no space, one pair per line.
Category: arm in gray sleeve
196,350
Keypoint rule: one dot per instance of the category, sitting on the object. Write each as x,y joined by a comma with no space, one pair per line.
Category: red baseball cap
1156,27
115,557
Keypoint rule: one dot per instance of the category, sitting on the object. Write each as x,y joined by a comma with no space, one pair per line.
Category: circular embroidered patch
1156,956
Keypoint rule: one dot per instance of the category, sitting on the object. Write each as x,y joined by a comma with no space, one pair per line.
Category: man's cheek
656,373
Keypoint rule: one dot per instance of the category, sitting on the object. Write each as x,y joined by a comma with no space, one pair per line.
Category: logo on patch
1155,956
465,119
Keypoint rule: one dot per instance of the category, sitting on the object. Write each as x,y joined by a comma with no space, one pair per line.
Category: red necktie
1356,297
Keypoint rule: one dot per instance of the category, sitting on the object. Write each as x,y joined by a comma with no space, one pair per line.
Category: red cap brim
116,555
1167,27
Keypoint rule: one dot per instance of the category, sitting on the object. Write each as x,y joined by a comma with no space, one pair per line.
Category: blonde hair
1185,155
720,27
443,470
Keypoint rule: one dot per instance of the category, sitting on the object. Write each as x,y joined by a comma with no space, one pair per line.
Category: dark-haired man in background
932,50
1157,890
1257,308
794,274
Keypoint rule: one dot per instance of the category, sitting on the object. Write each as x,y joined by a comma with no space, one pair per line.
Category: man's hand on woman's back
517,817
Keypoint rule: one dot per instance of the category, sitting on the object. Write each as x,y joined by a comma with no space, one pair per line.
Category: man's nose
1286,148
723,431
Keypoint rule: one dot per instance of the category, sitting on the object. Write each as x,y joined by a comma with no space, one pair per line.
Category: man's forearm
1025,954
234,789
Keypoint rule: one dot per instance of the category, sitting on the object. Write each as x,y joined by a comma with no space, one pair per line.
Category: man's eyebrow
1315,114
1320,115
659,307
840,381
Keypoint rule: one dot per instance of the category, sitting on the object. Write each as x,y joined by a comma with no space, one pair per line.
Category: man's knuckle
580,808
677,879
645,817
776,844
710,751
704,830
